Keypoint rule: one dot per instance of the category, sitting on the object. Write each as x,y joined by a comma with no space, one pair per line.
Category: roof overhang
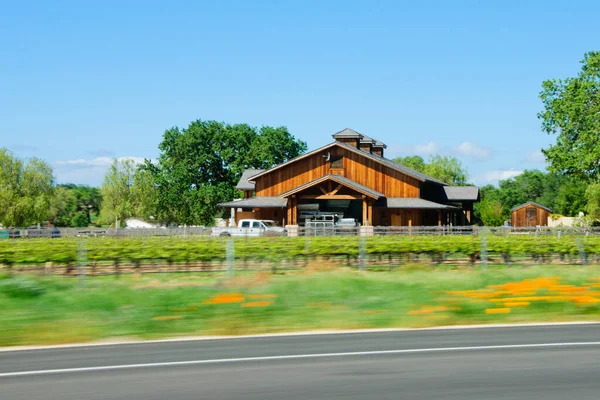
461,193
256,202
416,203
340,180
531,203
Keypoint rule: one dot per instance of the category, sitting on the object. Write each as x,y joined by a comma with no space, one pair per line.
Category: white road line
120,342
292,357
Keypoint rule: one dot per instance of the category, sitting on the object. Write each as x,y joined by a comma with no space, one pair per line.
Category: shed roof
339,179
457,193
414,202
244,183
532,203
257,202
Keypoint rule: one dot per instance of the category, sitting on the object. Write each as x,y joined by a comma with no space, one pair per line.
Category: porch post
370,212
439,217
294,210
364,212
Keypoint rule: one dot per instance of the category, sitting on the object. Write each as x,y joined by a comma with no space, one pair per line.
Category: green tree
117,203
572,112
491,212
25,190
200,165
144,194
80,219
447,169
63,206
592,195
415,162
87,201
570,196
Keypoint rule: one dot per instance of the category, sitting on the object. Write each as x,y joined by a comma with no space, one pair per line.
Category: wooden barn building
530,214
352,177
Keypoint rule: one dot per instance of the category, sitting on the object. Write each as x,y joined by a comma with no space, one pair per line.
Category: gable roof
530,203
244,183
348,133
339,179
457,193
381,160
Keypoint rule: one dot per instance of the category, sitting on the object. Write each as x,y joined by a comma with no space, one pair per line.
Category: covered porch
405,211
266,208
331,194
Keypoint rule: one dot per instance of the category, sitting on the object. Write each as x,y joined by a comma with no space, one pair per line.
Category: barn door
531,216
396,220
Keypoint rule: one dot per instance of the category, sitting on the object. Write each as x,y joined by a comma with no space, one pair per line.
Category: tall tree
572,112
63,206
117,203
25,190
415,162
84,202
200,165
447,169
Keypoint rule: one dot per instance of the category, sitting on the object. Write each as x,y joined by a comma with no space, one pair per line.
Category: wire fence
118,255
325,230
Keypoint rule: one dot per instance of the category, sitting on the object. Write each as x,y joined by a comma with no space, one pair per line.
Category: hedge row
195,249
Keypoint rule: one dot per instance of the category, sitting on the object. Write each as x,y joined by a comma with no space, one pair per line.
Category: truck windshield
269,224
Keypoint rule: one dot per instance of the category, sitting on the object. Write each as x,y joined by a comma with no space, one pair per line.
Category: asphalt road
550,362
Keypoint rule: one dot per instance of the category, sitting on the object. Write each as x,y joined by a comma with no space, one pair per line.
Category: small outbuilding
530,214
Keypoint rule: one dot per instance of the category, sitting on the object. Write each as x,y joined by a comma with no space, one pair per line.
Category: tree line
199,166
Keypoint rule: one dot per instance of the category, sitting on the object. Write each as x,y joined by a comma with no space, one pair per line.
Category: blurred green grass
53,310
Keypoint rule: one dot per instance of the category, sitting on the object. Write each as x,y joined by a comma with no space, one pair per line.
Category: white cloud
500,174
536,156
425,150
99,161
470,149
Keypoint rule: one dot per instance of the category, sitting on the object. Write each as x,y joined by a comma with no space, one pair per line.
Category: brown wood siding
529,216
355,167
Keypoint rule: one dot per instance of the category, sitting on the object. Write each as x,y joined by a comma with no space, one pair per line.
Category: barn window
337,162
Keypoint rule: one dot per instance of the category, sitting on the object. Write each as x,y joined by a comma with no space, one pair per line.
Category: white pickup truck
250,227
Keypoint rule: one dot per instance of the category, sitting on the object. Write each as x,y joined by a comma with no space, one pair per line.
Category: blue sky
82,82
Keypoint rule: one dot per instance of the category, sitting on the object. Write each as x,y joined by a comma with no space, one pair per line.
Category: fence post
362,252
582,254
484,249
230,255
81,260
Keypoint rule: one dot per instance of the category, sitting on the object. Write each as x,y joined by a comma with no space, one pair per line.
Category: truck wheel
224,234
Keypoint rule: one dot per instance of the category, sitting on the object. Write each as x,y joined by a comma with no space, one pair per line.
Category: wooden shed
530,214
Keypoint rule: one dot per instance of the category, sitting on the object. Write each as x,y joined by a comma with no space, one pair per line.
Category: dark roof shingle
257,202
457,193
244,183
413,202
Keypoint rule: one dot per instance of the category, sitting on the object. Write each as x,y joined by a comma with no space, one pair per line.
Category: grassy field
51,310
